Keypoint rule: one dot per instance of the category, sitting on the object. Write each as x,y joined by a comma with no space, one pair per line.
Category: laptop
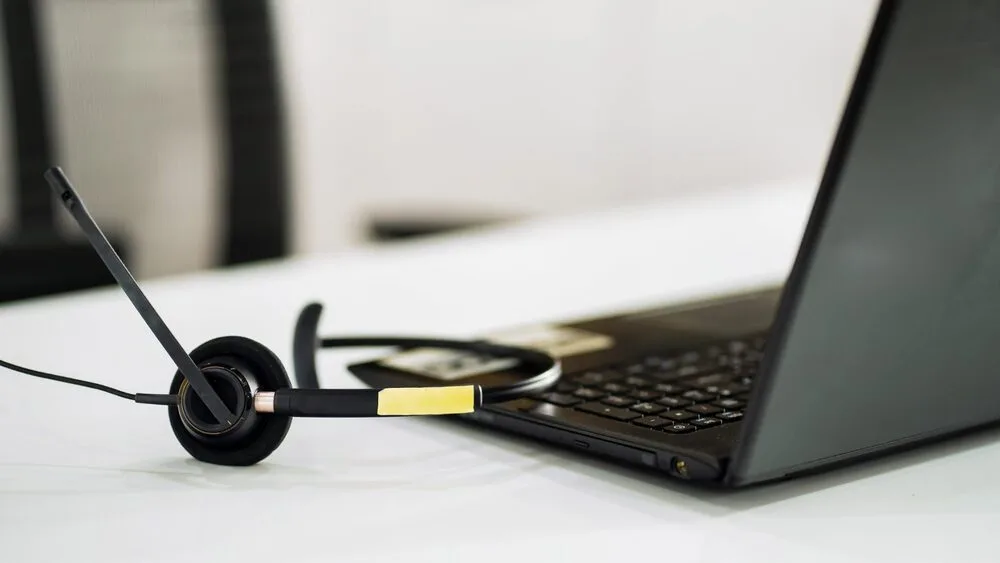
883,337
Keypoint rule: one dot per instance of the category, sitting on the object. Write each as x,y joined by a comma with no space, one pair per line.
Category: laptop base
661,389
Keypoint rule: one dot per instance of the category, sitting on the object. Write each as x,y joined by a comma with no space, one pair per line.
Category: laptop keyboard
677,393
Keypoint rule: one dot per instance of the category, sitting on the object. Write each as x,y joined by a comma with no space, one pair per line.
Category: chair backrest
207,177
257,184
35,258
30,138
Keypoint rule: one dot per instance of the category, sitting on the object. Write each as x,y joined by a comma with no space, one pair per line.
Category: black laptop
884,336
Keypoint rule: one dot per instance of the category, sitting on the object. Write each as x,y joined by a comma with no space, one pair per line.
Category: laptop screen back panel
889,332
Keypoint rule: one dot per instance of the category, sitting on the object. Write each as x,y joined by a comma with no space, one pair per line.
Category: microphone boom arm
74,204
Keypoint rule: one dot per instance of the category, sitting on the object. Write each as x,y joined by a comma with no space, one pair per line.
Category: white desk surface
88,477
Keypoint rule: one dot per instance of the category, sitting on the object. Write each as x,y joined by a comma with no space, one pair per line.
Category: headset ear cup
267,431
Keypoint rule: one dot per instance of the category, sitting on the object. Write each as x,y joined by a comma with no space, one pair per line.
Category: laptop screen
891,326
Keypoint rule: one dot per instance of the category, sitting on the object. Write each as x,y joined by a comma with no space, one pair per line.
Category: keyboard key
560,399
635,369
741,367
662,375
679,428
616,401
673,402
732,389
688,371
706,422
608,411
669,364
704,409
708,380
729,416
637,381
698,396
566,387
652,421
616,388
596,377
646,395
679,415
589,394
671,388
648,408
652,361
729,403
690,358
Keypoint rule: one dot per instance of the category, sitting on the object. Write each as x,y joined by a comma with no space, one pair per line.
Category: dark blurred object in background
387,227
35,258
257,185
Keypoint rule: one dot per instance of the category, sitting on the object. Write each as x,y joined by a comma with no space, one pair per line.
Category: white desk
88,477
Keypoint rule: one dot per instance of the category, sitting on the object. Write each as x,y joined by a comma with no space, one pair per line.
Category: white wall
543,105
521,107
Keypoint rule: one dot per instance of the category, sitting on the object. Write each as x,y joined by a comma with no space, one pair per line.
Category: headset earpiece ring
256,435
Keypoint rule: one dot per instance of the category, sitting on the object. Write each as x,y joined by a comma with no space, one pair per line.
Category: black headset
231,401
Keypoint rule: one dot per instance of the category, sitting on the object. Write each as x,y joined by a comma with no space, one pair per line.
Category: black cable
70,380
144,398
326,402
155,399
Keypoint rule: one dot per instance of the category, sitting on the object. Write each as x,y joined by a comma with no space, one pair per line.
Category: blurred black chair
34,258
257,184
37,260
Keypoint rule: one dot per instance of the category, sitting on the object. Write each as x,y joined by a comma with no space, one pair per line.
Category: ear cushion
268,431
